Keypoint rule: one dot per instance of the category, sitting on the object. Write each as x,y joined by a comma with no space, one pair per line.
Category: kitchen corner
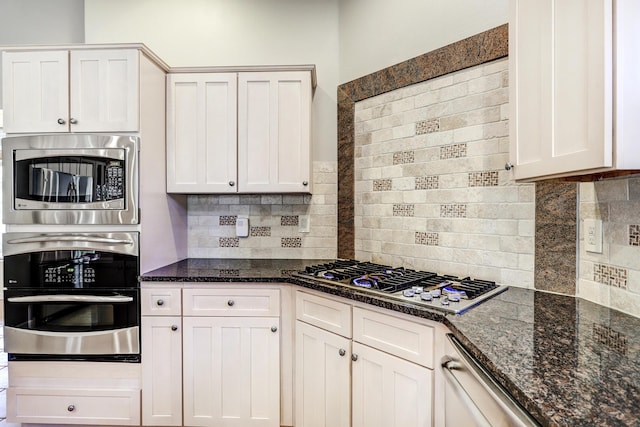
567,361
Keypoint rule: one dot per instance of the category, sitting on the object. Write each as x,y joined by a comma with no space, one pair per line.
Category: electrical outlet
304,223
593,235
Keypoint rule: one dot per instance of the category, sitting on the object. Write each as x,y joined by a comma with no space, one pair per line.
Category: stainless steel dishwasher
472,396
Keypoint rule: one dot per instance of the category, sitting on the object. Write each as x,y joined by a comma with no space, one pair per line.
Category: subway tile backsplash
611,278
431,191
273,222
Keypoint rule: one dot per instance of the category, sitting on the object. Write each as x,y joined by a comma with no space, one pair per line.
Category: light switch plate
242,226
593,235
304,223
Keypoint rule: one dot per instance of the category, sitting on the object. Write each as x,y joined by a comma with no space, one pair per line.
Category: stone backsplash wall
431,191
274,222
611,278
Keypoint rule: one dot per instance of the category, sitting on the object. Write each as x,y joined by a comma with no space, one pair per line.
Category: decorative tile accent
428,182
634,235
229,273
289,220
609,275
228,219
381,185
403,157
291,242
403,210
453,211
229,242
453,151
613,339
483,179
428,239
260,231
288,272
427,126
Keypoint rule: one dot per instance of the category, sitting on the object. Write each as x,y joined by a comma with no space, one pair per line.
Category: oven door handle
70,238
72,298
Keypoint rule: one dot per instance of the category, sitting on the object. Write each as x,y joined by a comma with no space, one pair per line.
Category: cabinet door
161,371
104,90
323,389
561,98
202,133
274,111
231,371
35,88
389,391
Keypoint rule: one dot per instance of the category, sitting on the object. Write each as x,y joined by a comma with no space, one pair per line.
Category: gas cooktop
450,294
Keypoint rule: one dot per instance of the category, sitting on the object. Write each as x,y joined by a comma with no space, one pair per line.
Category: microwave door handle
72,298
88,239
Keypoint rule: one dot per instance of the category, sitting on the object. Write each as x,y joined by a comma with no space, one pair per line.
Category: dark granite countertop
568,361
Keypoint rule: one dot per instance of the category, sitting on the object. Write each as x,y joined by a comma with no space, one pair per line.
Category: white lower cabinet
362,367
231,371
162,370
388,391
80,393
323,369
211,356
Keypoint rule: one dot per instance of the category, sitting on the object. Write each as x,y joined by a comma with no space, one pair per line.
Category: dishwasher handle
466,362
448,365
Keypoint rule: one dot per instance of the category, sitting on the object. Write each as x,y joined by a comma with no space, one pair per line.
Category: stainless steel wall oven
70,179
72,296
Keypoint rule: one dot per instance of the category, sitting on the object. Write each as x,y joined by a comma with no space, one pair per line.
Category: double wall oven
71,296
71,293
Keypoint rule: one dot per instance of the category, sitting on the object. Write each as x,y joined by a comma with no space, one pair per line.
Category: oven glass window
70,179
71,312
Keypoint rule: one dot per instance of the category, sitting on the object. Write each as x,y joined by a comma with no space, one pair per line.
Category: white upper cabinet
201,133
239,132
71,91
274,111
574,104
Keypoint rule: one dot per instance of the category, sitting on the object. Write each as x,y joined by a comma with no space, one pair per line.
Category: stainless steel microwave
70,179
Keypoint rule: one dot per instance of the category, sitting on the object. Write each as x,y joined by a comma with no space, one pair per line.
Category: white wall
375,34
234,32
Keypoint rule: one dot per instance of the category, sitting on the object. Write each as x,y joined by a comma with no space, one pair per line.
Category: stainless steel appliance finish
449,294
70,179
72,296
473,398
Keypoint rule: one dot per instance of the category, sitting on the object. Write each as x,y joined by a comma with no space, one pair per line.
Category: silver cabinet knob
342,352
232,183
231,303
71,408
354,357
73,121
508,166
160,302
305,183
174,327
274,329
61,122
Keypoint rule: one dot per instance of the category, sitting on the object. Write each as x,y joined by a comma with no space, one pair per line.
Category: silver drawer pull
274,329
160,302
342,352
354,357
71,408
231,303
174,327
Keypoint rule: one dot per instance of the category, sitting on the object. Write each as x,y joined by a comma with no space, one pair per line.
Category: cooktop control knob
408,293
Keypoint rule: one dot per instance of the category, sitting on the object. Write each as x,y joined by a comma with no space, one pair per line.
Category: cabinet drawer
73,406
402,338
231,302
324,313
160,302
